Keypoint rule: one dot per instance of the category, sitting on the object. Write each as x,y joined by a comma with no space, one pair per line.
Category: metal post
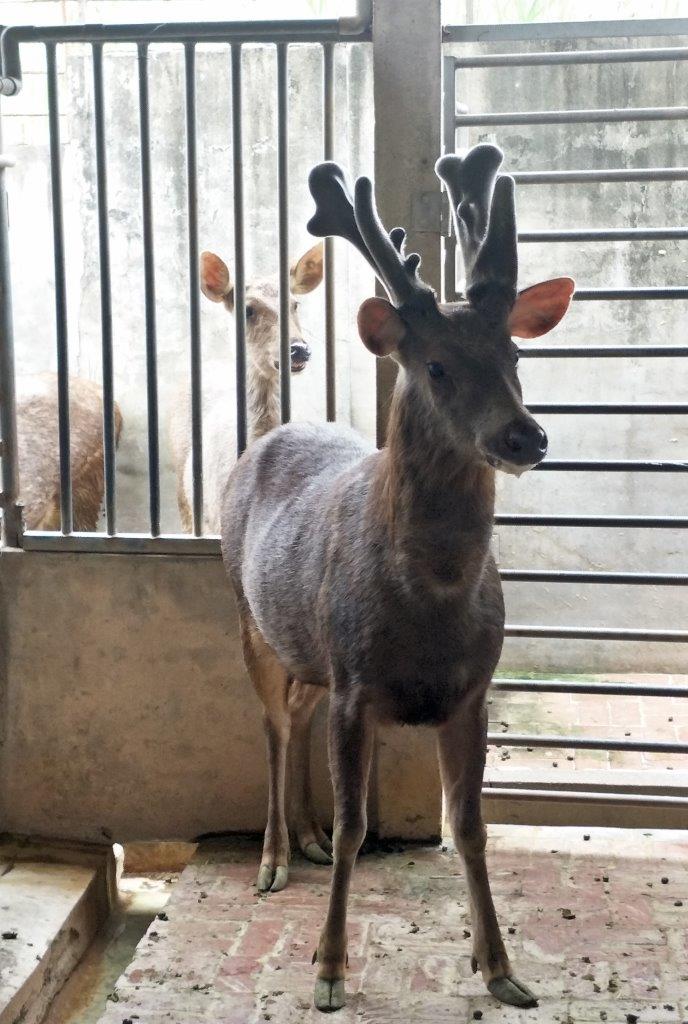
194,302
105,290
328,154
11,512
283,227
60,295
239,252
407,66
149,286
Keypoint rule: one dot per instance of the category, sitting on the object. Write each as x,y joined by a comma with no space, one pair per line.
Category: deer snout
525,442
300,354
521,444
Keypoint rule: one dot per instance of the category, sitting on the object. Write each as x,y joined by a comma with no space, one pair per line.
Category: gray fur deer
369,572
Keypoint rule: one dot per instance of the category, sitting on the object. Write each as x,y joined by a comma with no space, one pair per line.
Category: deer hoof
512,991
329,995
315,853
272,879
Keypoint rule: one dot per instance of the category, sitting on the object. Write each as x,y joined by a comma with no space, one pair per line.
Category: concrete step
49,914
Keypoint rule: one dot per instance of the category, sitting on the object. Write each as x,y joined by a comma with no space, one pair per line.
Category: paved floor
596,924
663,719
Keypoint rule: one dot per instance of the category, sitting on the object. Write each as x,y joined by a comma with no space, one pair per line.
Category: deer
262,379
368,573
38,452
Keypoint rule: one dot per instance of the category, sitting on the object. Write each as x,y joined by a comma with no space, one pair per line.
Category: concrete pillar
407,50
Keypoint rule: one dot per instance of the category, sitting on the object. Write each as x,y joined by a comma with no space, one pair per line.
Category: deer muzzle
521,445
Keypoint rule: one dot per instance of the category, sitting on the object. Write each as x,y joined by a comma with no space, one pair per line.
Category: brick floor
224,955
663,719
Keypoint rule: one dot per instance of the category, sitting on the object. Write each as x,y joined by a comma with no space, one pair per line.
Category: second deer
369,572
262,379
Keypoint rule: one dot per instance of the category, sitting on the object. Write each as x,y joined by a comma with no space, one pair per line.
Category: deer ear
380,326
540,308
216,283
307,274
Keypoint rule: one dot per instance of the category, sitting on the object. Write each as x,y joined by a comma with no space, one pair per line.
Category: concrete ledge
50,915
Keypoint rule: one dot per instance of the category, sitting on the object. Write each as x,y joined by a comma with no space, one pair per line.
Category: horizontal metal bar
534,31
650,579
289,31
608,466
671,636
596,177
614,522
635,294
505,739
608,116
605,235
604,351
583,796
122,544
611,409
594,689
526,60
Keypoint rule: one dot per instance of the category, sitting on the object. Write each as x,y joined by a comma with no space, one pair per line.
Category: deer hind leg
462,745
272,683
351,744
313,843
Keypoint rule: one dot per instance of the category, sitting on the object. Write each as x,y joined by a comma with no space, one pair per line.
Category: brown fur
38,448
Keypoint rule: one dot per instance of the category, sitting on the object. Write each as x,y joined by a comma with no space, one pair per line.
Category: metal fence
325,33
458,117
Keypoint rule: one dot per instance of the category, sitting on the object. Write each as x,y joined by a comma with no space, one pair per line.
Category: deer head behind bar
369,572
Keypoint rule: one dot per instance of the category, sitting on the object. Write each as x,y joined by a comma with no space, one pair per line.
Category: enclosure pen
327,34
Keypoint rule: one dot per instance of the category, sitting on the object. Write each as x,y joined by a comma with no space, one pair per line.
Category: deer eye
250,311
436,370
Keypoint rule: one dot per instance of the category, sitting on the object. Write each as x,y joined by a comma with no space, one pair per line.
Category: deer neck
262,401
439,507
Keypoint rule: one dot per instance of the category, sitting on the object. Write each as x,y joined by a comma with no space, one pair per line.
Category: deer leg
351,744
313,843
462,746
271,682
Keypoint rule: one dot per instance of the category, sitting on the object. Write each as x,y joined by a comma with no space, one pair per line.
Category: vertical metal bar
11,514
60,295
239,255
194,303
149,287
105,295
283,233
448,146
328,154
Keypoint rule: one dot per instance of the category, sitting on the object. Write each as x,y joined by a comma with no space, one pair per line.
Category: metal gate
561,41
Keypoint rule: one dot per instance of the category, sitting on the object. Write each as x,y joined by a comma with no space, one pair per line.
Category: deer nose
300,353
525,441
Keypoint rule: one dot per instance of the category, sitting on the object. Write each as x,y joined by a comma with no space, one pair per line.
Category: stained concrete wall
125,712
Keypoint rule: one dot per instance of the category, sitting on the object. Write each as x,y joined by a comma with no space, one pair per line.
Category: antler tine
495,272
483,211
398,274
334,213
398,236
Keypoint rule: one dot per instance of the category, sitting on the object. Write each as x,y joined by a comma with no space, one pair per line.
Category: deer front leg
462,748
351,744
313,843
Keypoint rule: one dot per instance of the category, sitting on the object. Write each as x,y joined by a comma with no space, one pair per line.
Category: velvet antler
482,205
